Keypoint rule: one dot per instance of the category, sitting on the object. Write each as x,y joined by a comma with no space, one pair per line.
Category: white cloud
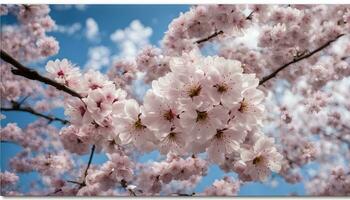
67,7
69,29
80,6
92,30
98,57
131,39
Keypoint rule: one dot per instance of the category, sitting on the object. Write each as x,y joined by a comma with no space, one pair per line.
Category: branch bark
17,107
297,59
88,166
209,37
26,72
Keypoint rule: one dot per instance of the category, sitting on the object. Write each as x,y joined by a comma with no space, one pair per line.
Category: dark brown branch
7,141
337,137
88,166
209,37
249,17
183,194
21,70
17,107
75,182
297,59
83,183
55,192
123,183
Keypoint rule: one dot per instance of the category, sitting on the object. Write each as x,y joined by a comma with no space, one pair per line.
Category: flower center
169,115
221,88
201,115
244,106
79,141
219,134
172,135
138,125
257,160
194,91
60,73
94,86
98,103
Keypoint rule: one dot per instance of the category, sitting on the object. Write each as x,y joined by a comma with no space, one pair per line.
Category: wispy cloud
98,57
67,7
68,29
131,39
92,30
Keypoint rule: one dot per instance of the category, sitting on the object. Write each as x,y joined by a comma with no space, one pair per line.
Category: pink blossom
223,187
63,72
261,159
8,178
131,128
49,46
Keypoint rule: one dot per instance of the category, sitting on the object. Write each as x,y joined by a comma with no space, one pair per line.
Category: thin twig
216,33
7,141
17,107
75,182
124,184
184,194
209,37
88,165
336,137
250,16
21,70
55,192
297,59
83,183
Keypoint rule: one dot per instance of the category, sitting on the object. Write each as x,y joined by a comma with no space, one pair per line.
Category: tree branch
209,37
83,183
337,137
88,166
124,184
216,33
55,192
17,107
297,59
21,70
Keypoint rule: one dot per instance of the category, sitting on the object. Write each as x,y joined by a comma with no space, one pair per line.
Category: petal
132,108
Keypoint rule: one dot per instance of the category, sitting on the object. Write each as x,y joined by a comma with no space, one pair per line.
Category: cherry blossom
261,91
262,158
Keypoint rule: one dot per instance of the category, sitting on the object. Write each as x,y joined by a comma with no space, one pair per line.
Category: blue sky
75,47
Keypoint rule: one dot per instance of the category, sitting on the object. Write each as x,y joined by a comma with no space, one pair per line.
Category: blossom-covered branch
209,37
217,33
297,59
197,102
21,70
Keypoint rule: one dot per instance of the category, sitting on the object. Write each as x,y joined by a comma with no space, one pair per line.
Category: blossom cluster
223,187
335,183
154,176
115,171
29,41
45,164
201,22
205,104
197,111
